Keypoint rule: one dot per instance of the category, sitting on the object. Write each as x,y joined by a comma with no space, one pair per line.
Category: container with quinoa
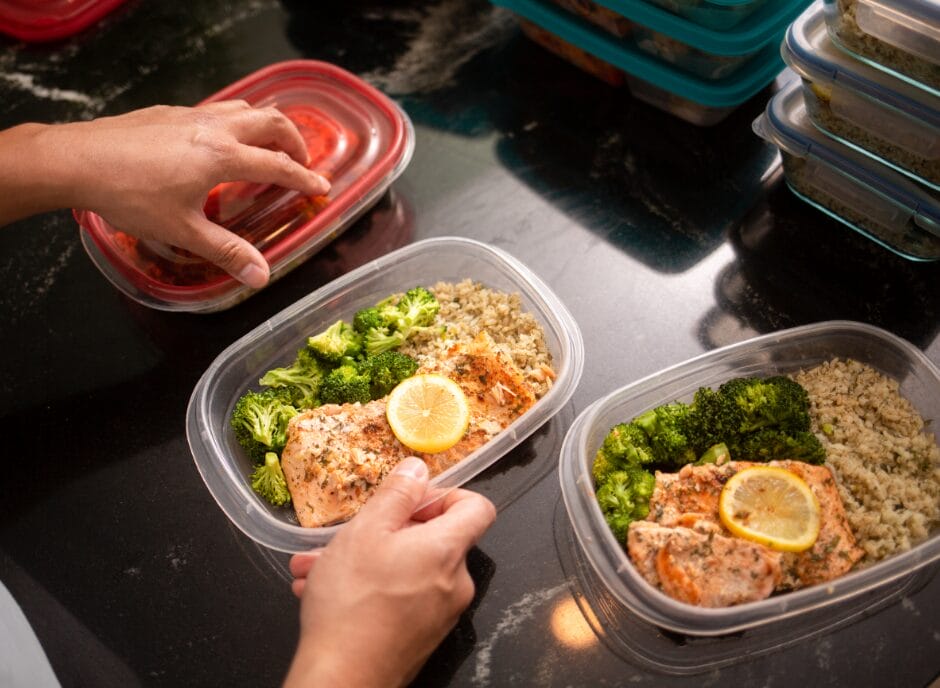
864,107
902,37
760,481
448,349
854,189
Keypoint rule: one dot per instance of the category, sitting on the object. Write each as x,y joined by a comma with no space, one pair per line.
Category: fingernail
411,467
321,184
253,276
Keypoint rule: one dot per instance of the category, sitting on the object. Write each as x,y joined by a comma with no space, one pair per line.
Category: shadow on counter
661,189
657,187
796,266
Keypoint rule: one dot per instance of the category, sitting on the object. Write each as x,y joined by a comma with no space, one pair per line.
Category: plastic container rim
231,491
613,562
161,296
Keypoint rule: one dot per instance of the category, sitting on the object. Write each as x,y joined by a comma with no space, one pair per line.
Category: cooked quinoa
849,33
886,463
467,308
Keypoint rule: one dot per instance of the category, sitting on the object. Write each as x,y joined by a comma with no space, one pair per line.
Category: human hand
389,587
149,172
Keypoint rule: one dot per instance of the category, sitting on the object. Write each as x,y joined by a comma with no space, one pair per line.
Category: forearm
34,176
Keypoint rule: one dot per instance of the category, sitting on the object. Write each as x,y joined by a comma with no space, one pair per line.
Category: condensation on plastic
223,464
356,136
777,353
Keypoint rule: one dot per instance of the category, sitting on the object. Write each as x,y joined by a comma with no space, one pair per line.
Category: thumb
228,251
397,497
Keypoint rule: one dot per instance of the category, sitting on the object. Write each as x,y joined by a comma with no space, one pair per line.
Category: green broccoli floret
775,445
268,481
417,308
775,402
378,340
260,419
624,497
625,445
345,385
369,319
336,342
667,428
386,370
717,453
302,379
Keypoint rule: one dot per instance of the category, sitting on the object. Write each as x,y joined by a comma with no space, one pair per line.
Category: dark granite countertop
663,239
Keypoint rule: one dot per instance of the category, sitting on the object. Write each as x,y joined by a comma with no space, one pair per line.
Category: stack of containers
697,59
860,139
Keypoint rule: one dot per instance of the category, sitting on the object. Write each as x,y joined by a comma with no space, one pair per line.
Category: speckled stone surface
663,239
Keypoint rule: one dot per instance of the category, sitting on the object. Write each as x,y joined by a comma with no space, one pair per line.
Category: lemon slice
428,413
772,506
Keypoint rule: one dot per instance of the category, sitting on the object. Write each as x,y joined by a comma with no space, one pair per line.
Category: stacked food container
697,59
859,132
37,21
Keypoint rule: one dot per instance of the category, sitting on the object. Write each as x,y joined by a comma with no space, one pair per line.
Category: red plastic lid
357,137
49,20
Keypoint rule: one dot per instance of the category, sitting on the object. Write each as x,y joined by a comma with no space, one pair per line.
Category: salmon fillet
702,565
691,497
336,455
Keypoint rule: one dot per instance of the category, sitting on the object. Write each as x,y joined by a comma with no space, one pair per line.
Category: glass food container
226,468
864,107
782,352
900,36
856,190
356,136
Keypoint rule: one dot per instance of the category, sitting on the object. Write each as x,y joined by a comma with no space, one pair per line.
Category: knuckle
227,253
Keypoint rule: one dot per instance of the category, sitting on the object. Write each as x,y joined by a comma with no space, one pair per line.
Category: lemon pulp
772,506
428,413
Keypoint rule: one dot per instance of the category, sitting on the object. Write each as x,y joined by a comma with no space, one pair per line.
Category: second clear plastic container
778,353
226,468
850,187
862,106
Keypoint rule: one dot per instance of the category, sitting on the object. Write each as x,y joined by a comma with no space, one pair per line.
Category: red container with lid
36,21
357,137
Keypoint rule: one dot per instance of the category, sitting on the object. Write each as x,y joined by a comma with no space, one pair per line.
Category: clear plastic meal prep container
357,137
856,190
699,101
782,352
864,107
49,20
224,466
899,36
690,47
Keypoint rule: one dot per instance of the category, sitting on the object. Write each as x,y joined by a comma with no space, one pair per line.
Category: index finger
266,127
464,516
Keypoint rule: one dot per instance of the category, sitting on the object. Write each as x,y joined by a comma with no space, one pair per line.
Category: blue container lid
808,50
765,25
786,124
731,91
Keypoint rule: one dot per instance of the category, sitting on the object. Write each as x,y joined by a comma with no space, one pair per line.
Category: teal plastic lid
765,25
731,91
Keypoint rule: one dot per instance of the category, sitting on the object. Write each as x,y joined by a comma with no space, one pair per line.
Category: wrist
34,171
